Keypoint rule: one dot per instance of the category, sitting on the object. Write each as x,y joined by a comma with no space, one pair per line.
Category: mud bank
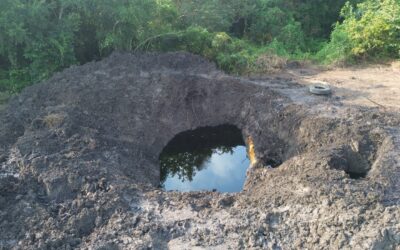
79,162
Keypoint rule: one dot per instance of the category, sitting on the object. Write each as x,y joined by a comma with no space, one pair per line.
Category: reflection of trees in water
186,164
188,152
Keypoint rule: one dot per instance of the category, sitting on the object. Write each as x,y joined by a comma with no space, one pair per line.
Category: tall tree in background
40,37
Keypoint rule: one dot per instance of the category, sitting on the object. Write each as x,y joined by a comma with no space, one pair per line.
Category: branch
155,37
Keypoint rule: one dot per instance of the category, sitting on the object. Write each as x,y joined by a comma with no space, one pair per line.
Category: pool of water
209,158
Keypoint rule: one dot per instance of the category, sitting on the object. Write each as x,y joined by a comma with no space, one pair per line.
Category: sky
225,173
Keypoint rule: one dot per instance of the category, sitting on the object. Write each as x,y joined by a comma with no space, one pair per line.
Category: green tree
370,29
40,37
36,40
373,28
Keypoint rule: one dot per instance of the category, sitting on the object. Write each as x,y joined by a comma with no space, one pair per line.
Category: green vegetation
40,37
369,31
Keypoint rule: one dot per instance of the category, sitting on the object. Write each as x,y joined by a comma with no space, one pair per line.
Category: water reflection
205,159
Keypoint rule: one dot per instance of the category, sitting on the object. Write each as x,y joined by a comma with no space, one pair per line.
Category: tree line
40,37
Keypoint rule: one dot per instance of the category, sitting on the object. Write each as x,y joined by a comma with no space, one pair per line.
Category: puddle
209,158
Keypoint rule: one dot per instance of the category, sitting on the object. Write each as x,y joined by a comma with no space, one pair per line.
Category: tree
370,29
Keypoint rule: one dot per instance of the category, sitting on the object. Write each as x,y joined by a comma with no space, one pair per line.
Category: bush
267,24
269,63
370,30
338,50
37,39
292,37
40,37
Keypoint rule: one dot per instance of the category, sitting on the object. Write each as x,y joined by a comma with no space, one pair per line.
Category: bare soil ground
79,159
369,86
3,100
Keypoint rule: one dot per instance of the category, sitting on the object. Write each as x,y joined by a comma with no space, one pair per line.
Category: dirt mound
79,163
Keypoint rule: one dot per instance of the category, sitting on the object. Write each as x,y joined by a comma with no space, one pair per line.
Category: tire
320,89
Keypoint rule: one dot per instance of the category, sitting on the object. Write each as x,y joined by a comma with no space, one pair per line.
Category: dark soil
79,162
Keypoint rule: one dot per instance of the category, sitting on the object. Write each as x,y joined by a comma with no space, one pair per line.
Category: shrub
338,50
369,30
292,37
36,40
39,38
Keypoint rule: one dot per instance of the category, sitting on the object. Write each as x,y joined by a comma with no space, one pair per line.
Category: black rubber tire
320,89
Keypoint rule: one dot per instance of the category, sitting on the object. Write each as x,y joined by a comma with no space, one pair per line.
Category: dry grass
270,63
53,120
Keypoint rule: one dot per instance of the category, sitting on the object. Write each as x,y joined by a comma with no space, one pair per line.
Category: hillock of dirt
79,162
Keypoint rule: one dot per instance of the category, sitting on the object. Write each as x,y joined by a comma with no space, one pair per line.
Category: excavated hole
207,158
357,158
353,163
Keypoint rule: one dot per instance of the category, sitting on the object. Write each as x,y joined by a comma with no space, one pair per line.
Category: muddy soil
79,162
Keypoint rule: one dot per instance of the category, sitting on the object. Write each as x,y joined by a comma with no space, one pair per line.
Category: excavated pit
207,158
80,163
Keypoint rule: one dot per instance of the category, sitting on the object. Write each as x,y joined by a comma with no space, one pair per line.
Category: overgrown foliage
40,37
371,30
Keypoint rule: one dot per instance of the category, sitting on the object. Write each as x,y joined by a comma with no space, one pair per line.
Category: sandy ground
372,86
